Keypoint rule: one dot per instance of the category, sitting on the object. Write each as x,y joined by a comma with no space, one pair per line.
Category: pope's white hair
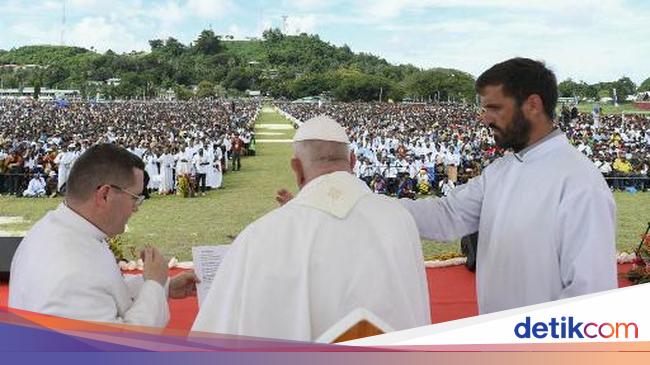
315,152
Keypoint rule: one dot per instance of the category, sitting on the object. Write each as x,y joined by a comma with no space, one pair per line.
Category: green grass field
175,224
611,109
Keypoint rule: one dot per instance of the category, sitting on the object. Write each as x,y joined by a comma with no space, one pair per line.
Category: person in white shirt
151,167
446,186
451,162
36,187
332,249
214,177
227,147
545,216
606,168
167,161
65,160
64,267
183,162
202,165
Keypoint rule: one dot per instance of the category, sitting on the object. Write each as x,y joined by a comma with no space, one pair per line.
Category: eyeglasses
138,199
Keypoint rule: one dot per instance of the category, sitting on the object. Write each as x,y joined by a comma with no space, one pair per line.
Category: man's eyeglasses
138,199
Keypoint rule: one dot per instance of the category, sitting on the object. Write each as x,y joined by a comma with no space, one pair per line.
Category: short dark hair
101,164
522,77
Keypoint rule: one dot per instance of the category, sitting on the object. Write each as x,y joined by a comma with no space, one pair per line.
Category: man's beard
516,133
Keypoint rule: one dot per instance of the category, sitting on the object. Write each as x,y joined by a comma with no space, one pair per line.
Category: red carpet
452,291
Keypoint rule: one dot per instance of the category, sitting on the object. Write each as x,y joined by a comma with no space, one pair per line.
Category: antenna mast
285,26
63,25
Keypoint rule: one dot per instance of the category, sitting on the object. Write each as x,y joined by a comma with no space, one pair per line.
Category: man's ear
298,171
353,160
100,196
534,106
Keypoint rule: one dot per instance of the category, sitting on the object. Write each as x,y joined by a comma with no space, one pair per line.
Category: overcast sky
590,40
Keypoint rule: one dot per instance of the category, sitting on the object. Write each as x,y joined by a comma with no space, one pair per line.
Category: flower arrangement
424,188
640,272
120,248
443,256
185,188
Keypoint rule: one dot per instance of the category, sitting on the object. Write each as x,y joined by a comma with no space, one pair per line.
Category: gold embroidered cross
335,194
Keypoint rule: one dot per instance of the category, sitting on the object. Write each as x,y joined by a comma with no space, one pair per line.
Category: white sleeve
587,241
110,301
451,217
149,307
133,284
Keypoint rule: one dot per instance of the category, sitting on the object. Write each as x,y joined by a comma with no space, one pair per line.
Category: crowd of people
544,216
40,141
619,145
401,149
409,149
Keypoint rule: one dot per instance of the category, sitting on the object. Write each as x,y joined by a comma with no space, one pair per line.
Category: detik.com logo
568,327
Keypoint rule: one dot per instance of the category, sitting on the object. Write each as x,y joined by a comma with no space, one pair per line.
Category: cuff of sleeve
165,287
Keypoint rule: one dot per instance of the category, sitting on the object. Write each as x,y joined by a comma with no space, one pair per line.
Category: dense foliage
624,87
278,65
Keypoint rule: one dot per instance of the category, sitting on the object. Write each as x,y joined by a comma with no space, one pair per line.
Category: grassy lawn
611,109
175,224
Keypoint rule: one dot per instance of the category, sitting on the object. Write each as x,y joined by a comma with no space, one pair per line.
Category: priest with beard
545,216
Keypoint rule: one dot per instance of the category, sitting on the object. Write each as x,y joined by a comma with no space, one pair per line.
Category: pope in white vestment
63,267
334,248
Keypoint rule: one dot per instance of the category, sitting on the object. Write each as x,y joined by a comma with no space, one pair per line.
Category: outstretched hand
283,196
183,285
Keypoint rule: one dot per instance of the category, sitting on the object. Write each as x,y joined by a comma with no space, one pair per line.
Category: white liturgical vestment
65,160
546,221
301,268
64,267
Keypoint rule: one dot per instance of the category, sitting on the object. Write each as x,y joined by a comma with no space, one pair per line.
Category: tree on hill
208,43
569,88
272,35
441,85
280,65
173,47
624,87
156,44
645,85
205,89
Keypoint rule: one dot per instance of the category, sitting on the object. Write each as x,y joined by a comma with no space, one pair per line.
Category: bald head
315,153
313,158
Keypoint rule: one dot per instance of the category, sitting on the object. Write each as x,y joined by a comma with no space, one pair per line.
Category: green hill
42,55
279,65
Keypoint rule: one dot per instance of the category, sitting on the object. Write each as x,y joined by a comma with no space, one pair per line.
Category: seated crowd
409,149
40,141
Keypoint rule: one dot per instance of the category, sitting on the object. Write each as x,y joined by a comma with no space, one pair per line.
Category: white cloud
236,32
309,5
207,9
169,13
295,24
265,23
588,39
301,24
33,32
100,33
594,40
